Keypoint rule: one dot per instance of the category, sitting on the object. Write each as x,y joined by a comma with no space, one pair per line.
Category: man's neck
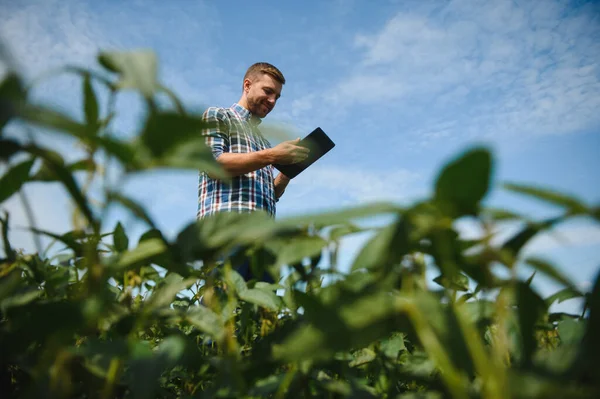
243,102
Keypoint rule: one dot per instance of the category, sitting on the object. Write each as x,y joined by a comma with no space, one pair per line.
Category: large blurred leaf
458,282
464,182
571,331
166,292
514,244
52,119
9,252
531,307
261,297
350,322
66,178
12,94
120,239
339,232
391,347
550,271
46,171
572,204
37,321
90,104
206,321
142,254
14,178
386,248
296,248
8,148
587,364
137,69
147,366
190,154
563,295
69,239
165,130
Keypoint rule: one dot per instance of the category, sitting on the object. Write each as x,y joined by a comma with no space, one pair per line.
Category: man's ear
247,84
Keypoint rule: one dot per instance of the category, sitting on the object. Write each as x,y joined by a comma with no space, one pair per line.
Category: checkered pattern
236,131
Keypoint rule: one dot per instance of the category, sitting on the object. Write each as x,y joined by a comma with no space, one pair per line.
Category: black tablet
318,143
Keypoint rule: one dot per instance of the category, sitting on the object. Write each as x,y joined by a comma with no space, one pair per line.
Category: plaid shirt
235,131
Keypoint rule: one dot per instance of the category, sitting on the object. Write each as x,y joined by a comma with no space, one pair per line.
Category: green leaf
392,346
120,239
458,282
572,204
148,366
550,271
206,321
8,250
64,176
571,331
296,248
14,178
12,94
52,119
519,240
350,322
9,283
82,165
237,281
501,215
362,357
143,253
591,346
531,307
23,298
563,295
121,150
341,231
8,148
260,297
165,130
464,182
137,70
190,154
90,104
164,295
46,172
386,248
69,239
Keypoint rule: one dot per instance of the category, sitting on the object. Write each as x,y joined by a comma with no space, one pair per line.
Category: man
239,147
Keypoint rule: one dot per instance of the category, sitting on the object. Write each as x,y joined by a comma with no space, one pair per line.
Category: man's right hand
289,152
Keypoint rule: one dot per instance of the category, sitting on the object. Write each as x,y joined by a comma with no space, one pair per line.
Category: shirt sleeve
217,133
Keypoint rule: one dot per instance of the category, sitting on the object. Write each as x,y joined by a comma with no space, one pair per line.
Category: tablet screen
318,143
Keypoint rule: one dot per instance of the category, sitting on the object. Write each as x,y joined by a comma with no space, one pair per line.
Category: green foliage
104,316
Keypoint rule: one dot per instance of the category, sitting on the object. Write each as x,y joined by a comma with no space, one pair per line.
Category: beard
257,107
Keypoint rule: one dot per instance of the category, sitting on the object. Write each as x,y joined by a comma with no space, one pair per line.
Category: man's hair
264,67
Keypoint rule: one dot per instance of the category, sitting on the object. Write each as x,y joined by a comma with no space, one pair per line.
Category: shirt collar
246,114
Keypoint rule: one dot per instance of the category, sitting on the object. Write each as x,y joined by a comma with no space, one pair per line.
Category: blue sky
400,86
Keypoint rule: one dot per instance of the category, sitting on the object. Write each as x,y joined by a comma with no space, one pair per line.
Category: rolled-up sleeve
217,134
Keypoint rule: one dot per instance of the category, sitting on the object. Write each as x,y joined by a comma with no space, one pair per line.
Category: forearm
281,182
236,164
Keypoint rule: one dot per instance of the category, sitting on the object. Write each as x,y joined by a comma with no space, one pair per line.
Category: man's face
263,92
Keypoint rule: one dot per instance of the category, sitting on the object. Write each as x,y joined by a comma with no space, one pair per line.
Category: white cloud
489,69
50,34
